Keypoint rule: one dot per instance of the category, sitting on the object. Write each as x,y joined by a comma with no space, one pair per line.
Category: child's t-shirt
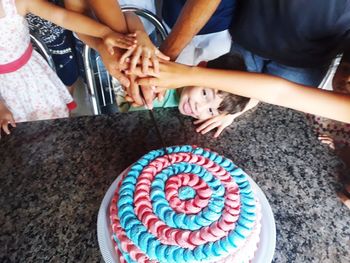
171,99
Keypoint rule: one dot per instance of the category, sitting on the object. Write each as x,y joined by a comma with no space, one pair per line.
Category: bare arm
277,91
259,86
115,22
133,22
68,19
81,7
194,15
109,13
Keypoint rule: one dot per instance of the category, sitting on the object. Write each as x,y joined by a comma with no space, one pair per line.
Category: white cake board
266,247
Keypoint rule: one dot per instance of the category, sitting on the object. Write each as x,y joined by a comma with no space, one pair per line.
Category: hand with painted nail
139,95
6,118
144,53
114,39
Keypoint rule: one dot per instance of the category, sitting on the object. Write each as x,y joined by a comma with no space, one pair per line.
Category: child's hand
114,39
144,53
171,76
220,122
6,117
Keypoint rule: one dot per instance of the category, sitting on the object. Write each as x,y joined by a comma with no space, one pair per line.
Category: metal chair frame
39,46
94,79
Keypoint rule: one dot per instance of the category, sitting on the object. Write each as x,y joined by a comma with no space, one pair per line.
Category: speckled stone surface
54,174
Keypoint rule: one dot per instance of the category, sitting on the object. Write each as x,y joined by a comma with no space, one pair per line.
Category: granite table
54,174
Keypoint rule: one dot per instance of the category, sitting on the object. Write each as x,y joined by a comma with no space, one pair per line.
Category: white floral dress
33,92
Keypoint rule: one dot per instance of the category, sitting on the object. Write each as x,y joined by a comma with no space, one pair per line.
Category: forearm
92,42
68,19
274,90
194,15
110,14
81,6
133,22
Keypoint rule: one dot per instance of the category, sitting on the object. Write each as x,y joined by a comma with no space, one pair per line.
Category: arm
194,15
259,86
68,19
278,91
117,23
109,13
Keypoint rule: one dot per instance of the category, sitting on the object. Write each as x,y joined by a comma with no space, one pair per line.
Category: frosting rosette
187,204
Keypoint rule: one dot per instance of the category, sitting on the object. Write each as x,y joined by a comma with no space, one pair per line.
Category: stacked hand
140,61
148,73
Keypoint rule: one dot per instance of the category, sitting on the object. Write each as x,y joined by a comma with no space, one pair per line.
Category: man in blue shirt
199,29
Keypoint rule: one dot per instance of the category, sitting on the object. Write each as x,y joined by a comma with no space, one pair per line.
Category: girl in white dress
29,89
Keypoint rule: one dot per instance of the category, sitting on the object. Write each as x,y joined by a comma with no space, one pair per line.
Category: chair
41,48
101,85
326,82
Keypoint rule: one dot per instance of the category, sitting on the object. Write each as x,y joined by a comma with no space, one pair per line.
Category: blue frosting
186,193
163,210
149,244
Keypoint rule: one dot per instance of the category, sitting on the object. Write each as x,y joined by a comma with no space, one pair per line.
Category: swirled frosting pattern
190,206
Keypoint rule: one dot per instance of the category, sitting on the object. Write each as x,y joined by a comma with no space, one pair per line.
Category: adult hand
112,64
139,95
219,122
144,53
6,118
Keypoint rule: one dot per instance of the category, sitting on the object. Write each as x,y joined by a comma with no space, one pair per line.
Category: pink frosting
168,235
192,206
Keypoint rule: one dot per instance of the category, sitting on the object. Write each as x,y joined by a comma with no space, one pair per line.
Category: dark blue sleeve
221,19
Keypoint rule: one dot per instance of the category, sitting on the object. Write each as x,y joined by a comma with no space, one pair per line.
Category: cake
187,204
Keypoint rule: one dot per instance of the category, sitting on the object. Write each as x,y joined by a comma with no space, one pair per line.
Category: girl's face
199,102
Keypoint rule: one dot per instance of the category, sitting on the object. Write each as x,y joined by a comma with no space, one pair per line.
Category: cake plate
266,246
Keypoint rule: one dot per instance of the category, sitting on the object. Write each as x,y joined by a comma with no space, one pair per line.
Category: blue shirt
171,99
220,20
297,33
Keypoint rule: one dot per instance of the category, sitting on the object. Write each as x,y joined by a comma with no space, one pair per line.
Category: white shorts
205,47
141,4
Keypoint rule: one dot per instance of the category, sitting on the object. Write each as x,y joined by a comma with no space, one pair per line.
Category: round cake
187,204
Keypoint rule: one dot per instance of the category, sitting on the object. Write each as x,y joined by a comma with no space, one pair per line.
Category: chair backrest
41,48
326,83
99,81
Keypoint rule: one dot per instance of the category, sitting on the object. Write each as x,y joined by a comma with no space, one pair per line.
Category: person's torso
15,36
299,33
220,20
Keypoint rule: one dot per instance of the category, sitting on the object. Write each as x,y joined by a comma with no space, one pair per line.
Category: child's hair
231,103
